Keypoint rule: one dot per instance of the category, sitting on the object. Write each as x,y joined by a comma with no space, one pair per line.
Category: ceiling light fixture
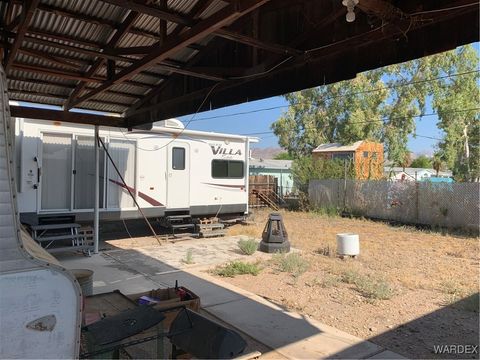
350,5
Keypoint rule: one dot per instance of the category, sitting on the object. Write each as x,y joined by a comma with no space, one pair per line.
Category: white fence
451,205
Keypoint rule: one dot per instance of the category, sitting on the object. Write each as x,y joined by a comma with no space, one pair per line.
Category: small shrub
188,257
292,263
237,268
351,277
248,247
327,281
375,289
451,287
369,288
329,211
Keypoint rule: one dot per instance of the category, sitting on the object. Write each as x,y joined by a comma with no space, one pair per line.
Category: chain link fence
450,205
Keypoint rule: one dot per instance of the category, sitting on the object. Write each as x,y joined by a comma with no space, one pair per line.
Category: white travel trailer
169,169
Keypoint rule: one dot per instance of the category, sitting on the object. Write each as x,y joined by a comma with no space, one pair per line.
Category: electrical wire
414,135
192,119
185,126
444,9
261,73
128,189
383,120
336,96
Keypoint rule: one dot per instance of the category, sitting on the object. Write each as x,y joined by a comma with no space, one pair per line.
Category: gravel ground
408,291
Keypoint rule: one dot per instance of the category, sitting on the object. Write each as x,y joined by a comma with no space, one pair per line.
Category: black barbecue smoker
274,236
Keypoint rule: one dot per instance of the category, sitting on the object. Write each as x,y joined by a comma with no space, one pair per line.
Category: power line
414,135
383,120
337,96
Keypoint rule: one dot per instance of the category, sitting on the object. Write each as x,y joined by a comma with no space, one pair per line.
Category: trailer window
224,169
178,158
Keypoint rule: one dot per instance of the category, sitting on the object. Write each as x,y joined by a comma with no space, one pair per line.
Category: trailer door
56,172
178,176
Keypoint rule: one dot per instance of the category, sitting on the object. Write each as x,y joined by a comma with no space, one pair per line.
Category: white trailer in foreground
169,170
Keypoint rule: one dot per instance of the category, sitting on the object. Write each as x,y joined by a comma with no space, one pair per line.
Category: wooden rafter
127,24
41,82
49,58
28,10
110,54
151,10
199,7
102,22
70,86
191,72
63,74
65,116
218,20
275,58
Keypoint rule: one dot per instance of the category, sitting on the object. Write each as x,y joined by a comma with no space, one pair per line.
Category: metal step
182,226
178,216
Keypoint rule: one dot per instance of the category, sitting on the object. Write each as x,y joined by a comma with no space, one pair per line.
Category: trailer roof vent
171,123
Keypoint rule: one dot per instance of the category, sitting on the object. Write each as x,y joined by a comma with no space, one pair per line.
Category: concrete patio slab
289,334
204,252
109,274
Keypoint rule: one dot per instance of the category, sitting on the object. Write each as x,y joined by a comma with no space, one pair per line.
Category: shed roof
271,164
412,171
150,61
337,147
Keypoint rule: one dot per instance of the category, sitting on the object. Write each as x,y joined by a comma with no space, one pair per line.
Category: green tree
459,148
382,105
283,156
306,168
337,112
422,161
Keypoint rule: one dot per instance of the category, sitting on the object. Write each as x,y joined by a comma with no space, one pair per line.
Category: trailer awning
150,60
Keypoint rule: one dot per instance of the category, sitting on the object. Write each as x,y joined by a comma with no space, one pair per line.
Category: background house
416,174
367,157
280,169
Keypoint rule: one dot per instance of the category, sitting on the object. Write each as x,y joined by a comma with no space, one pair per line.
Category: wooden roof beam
126,25
65,116
53,72
28,10
78,16
329,19
218,20
50,58
72,86
40,82
102,22
191,72
150,10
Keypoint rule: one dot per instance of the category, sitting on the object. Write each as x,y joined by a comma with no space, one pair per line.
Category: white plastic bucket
348,244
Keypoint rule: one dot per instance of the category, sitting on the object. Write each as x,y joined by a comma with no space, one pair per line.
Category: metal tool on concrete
274,236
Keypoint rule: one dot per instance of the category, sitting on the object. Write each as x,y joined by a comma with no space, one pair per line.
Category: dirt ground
428,282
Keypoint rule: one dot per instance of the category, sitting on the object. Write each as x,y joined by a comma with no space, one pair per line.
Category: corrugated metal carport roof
150,60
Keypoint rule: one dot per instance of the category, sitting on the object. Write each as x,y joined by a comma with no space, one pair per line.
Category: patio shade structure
149,60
